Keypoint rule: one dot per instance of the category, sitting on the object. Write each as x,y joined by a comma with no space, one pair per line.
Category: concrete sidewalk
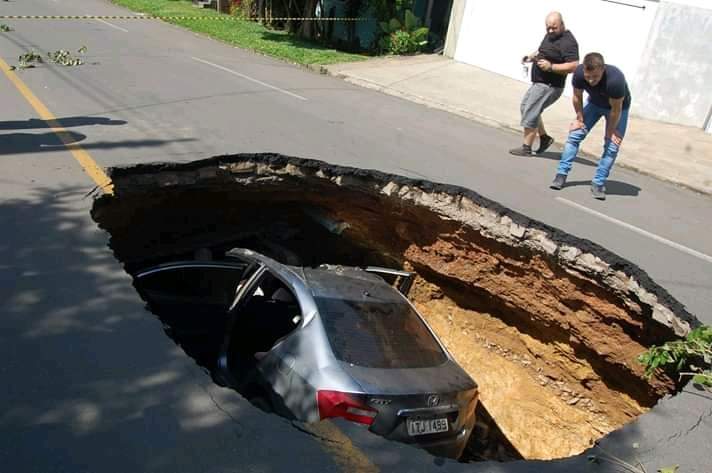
673,153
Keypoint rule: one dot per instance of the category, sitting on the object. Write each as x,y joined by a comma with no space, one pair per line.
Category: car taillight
345,405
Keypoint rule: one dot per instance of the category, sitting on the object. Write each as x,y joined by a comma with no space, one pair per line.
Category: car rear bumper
451,447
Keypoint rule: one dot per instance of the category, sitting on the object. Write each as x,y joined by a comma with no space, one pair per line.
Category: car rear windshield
378,334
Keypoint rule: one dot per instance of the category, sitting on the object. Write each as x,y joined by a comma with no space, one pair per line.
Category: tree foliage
267,10
403,37
407,37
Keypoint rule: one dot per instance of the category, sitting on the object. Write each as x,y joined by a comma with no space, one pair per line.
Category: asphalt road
89,381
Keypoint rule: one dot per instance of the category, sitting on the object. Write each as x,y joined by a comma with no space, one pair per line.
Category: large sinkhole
549,325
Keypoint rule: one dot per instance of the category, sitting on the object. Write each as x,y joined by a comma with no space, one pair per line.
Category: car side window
191,285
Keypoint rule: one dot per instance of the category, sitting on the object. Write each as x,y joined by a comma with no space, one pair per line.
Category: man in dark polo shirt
556,57
608,96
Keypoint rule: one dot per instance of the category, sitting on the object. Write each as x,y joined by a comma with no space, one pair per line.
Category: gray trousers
538,97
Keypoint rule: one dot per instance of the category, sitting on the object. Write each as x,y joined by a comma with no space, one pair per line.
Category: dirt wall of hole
548,324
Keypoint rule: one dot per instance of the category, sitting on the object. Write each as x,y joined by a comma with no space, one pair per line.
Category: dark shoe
598,192
544,143
523,150
558,182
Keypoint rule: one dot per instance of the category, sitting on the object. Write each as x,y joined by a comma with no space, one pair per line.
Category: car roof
349,283
328,281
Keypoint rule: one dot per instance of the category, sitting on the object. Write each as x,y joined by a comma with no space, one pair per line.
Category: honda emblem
433,400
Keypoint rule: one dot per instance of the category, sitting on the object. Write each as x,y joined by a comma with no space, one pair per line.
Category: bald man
557,56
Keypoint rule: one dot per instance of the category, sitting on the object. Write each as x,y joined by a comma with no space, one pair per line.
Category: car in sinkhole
322,342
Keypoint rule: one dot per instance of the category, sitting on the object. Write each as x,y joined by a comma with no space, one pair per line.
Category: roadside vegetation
403,36
244,34
690,357
259,25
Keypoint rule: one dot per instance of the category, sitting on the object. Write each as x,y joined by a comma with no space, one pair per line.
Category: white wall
495,34
673,84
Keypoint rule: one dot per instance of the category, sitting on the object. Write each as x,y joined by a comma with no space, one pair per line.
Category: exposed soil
534,390
547,324
553,356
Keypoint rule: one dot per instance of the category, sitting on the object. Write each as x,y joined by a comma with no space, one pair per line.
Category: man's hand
612,120
544,65
530,57
576,125
616,138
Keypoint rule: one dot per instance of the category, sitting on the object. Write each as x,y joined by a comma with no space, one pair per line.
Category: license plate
426,426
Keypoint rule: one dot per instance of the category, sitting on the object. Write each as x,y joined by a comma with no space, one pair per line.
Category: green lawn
245,34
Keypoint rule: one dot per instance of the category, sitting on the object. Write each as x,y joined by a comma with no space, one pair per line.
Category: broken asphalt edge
561,239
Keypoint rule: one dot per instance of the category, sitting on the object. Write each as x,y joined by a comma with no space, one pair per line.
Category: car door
190,294
261,341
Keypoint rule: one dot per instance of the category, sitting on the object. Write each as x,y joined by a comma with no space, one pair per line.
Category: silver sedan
324,342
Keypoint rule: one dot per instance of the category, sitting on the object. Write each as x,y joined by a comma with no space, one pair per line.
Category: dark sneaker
558,182
598,192
523,150
544,143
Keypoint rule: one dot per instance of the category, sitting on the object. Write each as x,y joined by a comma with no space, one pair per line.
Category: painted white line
639,231
264,84
112,25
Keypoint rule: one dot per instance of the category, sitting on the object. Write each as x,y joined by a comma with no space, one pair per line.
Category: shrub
691,356
403,37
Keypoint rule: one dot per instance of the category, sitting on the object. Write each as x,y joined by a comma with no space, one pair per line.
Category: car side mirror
404,279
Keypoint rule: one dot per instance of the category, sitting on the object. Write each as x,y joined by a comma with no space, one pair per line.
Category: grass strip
244,34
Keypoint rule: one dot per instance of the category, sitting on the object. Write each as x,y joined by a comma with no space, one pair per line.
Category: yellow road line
349,457
83,158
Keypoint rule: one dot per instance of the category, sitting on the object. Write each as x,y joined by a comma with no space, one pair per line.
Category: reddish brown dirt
539,368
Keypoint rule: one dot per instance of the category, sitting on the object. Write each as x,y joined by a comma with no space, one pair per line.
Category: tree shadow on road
65,122
20,143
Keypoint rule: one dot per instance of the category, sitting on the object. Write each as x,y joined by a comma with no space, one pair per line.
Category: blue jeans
591,114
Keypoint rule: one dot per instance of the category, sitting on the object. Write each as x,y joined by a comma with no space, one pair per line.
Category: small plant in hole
691,356
4,28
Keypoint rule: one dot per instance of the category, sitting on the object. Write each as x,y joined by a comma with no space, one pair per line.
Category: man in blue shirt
608,96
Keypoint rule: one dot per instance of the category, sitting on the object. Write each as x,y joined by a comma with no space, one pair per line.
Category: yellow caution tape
148,17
